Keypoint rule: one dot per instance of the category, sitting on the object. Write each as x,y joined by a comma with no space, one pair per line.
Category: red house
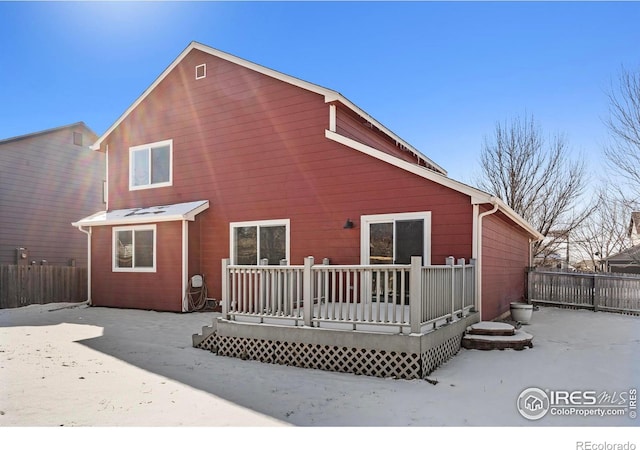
223,158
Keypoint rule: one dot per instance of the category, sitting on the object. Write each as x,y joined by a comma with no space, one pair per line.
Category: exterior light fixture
348,224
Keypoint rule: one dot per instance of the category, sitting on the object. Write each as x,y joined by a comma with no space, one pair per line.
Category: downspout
185,265
494,202
88,233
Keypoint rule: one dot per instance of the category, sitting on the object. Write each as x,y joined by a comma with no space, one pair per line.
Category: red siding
505,256
255,148
319,201
351,125
161,290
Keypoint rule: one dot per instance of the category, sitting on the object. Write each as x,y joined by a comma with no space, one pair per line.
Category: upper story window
151,165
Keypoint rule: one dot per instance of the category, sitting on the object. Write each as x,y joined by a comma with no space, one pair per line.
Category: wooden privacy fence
607,292
27,285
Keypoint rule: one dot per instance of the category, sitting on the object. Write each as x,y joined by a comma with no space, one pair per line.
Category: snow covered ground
74,365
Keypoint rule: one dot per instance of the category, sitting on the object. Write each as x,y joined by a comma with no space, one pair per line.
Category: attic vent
201,71
77,138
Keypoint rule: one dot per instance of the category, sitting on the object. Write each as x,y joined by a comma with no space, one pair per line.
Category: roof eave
188,215
328,94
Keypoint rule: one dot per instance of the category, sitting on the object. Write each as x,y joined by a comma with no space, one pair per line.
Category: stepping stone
518,341
491,329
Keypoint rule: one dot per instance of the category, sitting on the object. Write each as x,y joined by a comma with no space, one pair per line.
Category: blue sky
439,74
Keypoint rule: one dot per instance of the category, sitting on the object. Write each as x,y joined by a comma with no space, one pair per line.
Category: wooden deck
380,320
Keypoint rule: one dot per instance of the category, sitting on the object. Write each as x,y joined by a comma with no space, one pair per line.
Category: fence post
415,294
307,292
529,270
225,289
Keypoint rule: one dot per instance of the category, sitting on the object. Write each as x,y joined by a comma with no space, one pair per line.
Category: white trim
88,233
204,74
479,264
332,118
478,197
154,214
367,220
185,264
474,233
150,147
106,175
260,223
328,94
133,228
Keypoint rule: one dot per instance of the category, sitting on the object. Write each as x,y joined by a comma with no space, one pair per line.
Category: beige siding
47,182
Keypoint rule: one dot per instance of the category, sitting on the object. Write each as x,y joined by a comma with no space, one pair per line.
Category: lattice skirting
437,355
378,363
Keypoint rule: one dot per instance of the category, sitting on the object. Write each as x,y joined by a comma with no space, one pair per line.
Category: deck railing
394,298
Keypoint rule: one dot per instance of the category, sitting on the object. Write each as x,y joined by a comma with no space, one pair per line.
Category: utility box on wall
22,256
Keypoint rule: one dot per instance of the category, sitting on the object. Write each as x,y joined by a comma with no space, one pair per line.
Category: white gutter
88,233
478,249
185,264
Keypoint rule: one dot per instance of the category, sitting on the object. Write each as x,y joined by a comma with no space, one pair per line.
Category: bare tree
537,179
605,232
623,154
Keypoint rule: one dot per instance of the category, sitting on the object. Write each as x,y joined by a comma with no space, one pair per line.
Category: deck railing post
463,293
474,298
450,261
307,293
415,294
225,288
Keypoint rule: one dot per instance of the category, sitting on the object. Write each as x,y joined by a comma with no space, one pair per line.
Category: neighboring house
627,261
47,180
223,158
555,252
587,265
634,228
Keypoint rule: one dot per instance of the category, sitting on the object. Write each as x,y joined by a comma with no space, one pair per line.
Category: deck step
197,339
518,341
491,329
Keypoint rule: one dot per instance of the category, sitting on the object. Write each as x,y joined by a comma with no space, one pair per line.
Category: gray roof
50,130
629,255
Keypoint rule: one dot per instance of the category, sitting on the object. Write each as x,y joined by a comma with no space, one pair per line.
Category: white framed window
151,165
201,71
395,238
251,242
134,248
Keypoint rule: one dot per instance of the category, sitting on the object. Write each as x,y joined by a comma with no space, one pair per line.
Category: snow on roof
177,211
